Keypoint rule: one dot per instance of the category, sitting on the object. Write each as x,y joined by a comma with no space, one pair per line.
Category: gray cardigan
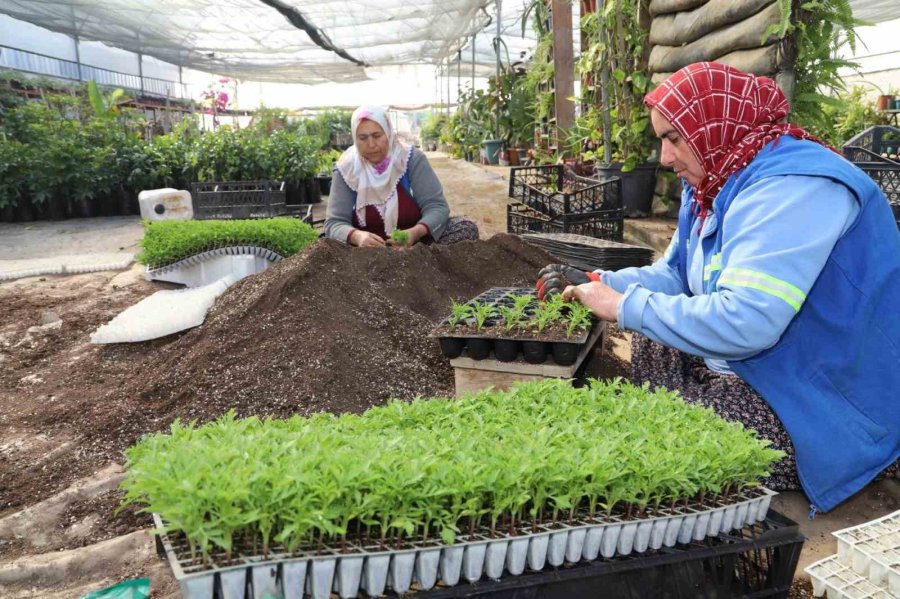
426,191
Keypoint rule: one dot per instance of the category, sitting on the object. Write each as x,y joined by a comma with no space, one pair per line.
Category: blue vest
834,376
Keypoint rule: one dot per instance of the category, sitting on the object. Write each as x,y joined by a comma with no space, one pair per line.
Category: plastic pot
452,347
565,354
473,561
293,579
426,569
400,573
537,552
516,556
556,551
637,186
321,578
478,348
506,350
324,182
450,565
534,352
492,150
375,573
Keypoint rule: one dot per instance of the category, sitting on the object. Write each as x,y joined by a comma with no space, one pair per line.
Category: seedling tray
867,563
505,345
358,570
588,253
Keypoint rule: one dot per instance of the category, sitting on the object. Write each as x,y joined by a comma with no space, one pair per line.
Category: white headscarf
375,184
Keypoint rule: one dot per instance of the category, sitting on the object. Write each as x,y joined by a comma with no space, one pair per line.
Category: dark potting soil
334,329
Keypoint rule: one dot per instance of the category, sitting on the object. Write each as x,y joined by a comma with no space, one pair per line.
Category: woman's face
675,152
371,141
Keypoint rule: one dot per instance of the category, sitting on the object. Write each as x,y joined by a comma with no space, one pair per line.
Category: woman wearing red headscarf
776,302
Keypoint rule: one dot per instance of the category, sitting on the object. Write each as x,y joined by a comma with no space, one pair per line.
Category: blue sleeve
660,276
777,235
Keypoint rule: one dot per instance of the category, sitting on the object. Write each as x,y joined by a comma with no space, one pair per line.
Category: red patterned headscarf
725,116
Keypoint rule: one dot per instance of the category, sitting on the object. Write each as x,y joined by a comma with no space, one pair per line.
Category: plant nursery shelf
316,573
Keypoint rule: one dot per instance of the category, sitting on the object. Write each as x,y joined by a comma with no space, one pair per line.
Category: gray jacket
426,191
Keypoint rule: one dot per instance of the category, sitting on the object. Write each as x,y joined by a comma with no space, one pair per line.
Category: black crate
600,224
222,200
757,561
880,139
884,171
552,190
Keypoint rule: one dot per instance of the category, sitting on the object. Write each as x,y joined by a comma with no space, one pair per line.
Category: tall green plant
621,51
105,106
815,33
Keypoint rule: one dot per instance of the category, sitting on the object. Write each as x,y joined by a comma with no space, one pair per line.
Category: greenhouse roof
299,41
307,41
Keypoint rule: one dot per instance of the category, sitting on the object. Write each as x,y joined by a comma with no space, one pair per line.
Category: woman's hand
415,234
364,239
601,299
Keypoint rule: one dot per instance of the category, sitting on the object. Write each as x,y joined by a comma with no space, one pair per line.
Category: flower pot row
509,350
370,571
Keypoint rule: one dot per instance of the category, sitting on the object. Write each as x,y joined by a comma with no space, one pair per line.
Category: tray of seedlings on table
411,495
510,321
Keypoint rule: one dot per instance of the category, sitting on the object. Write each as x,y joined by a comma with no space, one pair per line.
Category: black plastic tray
757,561
507,346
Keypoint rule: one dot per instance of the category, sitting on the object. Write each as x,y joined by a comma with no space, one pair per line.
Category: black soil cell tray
756,561
588,253
503,346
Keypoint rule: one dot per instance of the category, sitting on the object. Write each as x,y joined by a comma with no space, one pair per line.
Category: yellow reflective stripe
715,263
709,269
783,290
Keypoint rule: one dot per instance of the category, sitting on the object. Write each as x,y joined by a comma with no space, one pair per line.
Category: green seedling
400,237
578,318
168,241
482,312
437,468
459,313
549,311
514,316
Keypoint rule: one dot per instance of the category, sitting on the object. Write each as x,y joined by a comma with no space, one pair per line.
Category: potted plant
516,99
614,130
325,164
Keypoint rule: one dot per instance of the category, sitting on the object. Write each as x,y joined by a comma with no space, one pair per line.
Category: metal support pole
181,89
473,61
448,87
497,73
458,80
141,71
78,59
604,97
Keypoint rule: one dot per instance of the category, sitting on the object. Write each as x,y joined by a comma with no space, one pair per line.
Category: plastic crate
880,139
757,561
886,175
224,200
553,191
600,224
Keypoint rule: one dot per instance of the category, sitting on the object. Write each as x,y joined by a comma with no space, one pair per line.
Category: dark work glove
554,278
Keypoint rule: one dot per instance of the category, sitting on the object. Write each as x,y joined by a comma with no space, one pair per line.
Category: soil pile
332,329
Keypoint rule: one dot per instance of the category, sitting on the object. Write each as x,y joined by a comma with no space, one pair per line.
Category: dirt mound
333,329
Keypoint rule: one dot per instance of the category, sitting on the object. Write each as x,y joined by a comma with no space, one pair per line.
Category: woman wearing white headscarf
382,186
